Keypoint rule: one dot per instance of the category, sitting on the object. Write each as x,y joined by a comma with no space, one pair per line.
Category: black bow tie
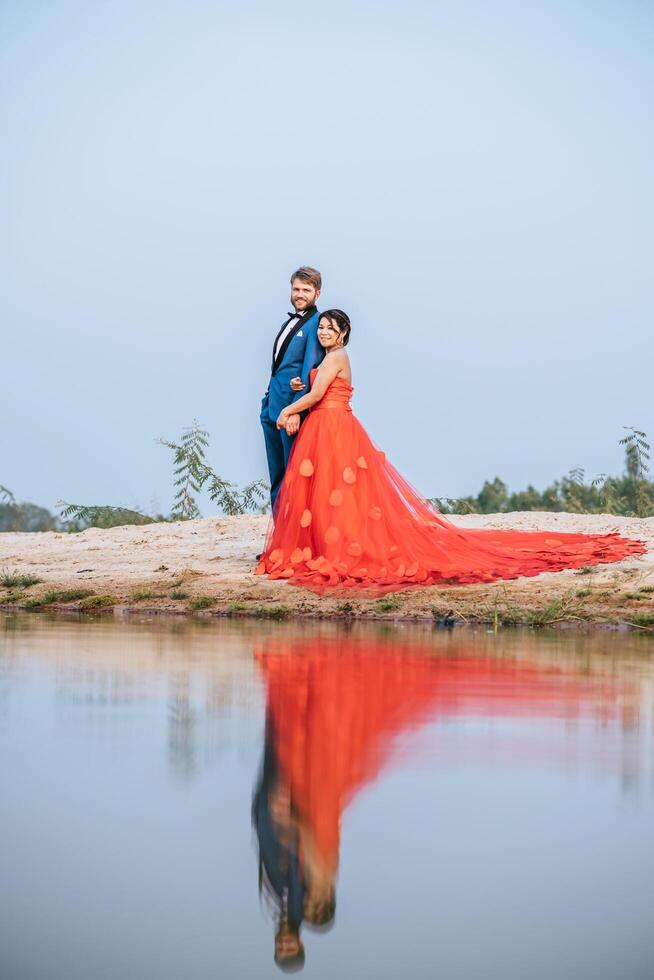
292,316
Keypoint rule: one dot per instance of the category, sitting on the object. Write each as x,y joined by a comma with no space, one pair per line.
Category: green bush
11,579
388,605
631,494
202,602
58,595
142,594
98,601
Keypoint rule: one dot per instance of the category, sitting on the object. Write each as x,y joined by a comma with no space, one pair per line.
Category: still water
389,802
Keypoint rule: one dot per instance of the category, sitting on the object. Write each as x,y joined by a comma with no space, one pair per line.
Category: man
281,878
295,352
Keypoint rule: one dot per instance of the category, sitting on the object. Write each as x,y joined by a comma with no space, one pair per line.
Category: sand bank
174,568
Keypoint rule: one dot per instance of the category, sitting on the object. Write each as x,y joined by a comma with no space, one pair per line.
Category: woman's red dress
345,518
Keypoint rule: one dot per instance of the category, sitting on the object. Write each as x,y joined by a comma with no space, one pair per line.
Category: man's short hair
307,274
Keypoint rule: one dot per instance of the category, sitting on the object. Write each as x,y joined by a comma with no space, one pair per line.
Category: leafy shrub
11,579
202,602
58,595
98,602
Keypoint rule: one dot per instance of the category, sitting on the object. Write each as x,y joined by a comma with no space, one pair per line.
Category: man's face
303,295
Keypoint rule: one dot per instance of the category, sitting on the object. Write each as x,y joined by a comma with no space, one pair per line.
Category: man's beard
301,304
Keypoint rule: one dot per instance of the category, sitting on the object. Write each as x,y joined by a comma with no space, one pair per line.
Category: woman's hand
297,384
292,424
288,420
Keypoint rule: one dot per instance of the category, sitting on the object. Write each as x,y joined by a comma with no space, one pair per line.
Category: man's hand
297,384
292,424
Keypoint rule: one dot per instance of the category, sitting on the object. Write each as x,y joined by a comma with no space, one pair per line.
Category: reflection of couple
335,708
342,514
329,716
294,876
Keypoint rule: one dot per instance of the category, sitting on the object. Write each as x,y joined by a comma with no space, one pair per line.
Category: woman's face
329,334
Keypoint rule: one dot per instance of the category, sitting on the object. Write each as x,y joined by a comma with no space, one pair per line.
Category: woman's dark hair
341,320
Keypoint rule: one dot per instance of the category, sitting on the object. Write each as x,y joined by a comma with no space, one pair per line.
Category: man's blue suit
299,353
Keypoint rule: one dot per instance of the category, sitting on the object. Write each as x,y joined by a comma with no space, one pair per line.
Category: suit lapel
298,326
281,331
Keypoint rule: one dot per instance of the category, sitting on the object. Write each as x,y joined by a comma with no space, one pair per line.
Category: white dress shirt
284,334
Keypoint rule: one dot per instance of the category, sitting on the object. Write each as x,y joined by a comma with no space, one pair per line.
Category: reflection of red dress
338,705
345,517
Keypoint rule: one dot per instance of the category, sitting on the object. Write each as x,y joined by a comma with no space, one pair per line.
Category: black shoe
259,557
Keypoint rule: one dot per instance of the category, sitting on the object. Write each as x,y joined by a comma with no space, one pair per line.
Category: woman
345,518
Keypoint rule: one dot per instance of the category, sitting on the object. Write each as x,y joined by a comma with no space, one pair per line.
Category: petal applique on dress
332,534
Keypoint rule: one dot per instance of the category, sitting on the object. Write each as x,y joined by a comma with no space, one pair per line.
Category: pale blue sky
473,179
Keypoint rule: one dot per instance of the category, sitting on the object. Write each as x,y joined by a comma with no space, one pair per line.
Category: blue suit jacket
300,353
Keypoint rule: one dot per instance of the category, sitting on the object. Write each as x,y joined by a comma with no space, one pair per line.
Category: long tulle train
346,519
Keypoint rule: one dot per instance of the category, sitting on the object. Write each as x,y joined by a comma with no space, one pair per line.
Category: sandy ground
212,560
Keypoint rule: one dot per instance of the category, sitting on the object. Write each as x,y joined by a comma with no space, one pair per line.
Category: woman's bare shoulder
334,360
338,357
341,364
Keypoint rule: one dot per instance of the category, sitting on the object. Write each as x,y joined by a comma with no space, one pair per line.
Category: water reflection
338,710
377,754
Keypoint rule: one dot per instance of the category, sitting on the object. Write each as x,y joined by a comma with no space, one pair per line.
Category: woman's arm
327,371
313,355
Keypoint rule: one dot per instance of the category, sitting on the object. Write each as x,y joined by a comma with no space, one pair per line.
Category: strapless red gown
346,519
